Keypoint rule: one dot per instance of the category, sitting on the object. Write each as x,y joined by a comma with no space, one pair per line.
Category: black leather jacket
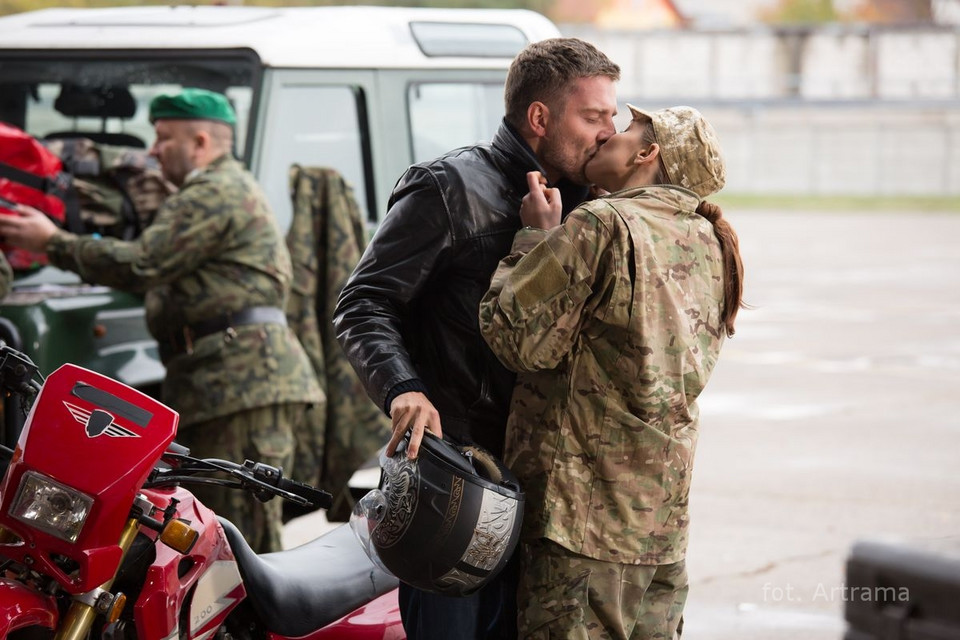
408,314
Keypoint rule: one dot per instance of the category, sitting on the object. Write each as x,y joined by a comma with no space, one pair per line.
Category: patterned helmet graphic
446,522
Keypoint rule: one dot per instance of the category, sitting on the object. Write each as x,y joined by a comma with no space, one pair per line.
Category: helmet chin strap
486,462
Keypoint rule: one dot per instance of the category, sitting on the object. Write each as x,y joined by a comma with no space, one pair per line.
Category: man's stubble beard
563,158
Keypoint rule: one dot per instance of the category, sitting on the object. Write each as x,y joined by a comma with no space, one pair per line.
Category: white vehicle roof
307,37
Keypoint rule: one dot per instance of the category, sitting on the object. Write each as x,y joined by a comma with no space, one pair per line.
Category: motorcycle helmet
445,522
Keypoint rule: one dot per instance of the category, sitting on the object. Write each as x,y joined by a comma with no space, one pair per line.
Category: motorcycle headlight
51,507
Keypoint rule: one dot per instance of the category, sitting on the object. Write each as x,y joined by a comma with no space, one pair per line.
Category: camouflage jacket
214,248
326,238
614,321
6,275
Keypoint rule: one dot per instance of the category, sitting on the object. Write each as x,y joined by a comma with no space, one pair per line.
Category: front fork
76,623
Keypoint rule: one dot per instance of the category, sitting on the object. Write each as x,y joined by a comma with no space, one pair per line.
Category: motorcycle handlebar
17,372
273,476
262,480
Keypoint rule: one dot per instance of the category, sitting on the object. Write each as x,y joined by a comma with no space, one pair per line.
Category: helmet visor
367,515
373,509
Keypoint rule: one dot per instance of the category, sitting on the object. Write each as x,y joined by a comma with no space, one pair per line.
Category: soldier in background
615,319
216,274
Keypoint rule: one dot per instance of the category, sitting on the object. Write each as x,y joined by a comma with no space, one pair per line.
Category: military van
363,90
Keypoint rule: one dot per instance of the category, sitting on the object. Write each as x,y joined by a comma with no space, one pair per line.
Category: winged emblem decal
98,422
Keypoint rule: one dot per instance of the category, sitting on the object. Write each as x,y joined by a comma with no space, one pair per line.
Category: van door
314,118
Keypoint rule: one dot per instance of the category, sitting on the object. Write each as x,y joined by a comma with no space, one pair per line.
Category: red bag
30,174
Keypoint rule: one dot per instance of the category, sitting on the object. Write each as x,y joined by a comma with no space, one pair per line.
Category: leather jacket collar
517,159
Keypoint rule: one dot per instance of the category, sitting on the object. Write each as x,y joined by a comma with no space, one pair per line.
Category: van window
447,115
468,40
59,94
44,120
314,126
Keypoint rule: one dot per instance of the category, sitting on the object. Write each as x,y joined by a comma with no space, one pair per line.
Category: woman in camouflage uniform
614,320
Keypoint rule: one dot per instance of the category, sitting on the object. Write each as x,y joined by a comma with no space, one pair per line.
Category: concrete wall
867,149
830,111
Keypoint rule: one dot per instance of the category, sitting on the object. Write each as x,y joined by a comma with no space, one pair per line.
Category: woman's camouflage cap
192,104
689,148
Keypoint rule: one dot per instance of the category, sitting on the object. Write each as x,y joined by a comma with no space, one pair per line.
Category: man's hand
29,228
542,206
412,412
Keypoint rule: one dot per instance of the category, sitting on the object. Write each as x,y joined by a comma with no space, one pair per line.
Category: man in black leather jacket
408,316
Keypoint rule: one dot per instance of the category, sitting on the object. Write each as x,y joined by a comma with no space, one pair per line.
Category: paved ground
833,416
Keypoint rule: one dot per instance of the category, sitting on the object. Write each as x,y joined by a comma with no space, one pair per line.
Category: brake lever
298,492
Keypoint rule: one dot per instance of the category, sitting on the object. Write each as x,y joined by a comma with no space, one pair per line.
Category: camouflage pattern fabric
119,189
265,435
6,275
326,239
615,320
214,248
689,148
563,595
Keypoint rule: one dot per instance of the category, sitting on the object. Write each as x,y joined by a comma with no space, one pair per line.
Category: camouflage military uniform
6,275
325,240
214,249
615,318
567,595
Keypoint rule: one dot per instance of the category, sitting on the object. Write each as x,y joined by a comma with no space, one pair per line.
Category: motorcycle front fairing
87,447
21,606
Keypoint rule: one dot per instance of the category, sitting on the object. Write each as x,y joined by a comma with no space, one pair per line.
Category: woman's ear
650,154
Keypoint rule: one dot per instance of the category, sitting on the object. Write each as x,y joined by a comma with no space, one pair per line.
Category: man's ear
202,138
203,144
537,116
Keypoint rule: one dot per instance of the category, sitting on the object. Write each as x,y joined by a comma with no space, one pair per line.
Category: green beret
192,104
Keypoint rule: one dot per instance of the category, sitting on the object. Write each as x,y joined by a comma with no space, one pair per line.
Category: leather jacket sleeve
413,240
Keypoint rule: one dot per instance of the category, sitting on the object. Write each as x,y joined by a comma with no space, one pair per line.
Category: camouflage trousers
264,434
569,596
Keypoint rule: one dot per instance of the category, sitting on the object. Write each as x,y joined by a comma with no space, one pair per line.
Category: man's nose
608,130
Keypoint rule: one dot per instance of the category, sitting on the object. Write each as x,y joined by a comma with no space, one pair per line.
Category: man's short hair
545,70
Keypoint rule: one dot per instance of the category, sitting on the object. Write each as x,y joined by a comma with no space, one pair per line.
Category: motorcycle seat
300,590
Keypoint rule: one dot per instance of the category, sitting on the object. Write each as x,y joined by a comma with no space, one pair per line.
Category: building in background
641,14
624,14
658,14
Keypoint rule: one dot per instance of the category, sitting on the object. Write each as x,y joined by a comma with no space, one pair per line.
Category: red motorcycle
99,539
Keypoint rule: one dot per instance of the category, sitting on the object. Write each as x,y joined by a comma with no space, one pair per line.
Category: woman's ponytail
732,264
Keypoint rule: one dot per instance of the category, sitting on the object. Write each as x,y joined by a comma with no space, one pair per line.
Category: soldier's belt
182,342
